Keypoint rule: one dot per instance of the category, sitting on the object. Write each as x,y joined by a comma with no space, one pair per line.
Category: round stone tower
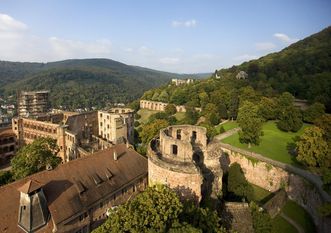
173,159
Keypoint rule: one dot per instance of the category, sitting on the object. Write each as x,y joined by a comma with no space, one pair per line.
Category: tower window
174,149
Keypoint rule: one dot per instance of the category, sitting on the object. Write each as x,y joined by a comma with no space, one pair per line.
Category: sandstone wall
160,106
187,185
272,178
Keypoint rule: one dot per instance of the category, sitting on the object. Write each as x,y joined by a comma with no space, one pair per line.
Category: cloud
128,50
265,46
187,23
245,57
169,60
63,48
145,51
8,24
285,38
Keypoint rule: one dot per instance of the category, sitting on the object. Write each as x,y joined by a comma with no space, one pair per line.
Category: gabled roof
70,188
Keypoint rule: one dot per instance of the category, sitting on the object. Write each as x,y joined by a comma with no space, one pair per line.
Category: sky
180,36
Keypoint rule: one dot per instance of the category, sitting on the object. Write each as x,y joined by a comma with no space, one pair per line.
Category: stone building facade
8,145
160,106
178,157
31,103
57,201
69,131
116,124
178,82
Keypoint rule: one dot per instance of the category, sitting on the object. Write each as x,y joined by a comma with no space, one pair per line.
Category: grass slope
273,143
280,225
227,126
299,215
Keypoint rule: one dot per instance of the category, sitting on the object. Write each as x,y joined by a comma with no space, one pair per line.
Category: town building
116,125
7,145
70,130
74,197
32,103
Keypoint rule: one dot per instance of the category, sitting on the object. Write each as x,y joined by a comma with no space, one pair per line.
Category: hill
81,83
303,69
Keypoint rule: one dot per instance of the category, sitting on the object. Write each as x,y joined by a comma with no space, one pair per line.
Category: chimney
115,155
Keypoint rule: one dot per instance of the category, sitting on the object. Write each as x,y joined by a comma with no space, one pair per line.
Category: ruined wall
187,185
272,178
160,106
257,172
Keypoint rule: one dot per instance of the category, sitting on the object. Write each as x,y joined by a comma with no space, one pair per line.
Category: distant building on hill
242,75
178,82
31,103
74,197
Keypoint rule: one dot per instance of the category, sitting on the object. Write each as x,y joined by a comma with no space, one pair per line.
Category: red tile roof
71,187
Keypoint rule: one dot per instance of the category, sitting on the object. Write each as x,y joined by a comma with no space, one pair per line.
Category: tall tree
154,210
268,108
290,119
151,129
314,111
313,149
34,157
170,109
250,123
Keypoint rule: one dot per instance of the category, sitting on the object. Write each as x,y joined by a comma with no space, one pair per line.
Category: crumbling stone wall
273,178
256,172
160,106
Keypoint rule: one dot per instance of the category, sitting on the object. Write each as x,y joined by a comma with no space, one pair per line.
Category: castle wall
160,106
273,178
187,185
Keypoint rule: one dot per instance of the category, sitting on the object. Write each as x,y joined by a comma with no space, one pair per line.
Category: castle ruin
179,158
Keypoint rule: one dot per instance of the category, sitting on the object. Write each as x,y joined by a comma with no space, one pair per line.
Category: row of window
7,149
7,140
38,127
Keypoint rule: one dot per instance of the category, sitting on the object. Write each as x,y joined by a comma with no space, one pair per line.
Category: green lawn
227,126
280,225
145,114
299,215
273,143
260,195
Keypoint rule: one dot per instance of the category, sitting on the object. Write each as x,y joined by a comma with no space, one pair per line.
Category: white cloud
245,57
187,23
145,51
265,46
285,38
169,60
129,50
63,48
8,24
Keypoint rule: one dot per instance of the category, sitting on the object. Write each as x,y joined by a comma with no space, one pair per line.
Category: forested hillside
81,83
303,69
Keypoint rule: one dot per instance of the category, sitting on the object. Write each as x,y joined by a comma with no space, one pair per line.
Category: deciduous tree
34,157
313,149
314,111
250,123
